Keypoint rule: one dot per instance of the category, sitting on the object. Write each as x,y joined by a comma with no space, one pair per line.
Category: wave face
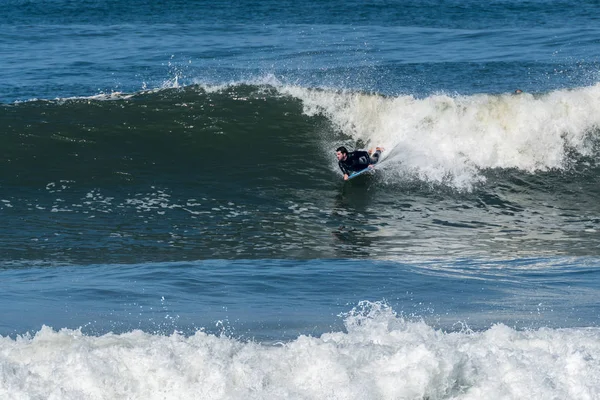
439,138
380,356
257,162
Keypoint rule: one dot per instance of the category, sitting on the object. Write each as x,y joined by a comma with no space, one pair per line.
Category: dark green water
248,172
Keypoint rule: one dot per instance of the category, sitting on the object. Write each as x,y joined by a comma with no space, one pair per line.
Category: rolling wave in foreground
381,355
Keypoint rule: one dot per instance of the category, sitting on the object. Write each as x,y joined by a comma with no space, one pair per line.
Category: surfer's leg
364,160
375,156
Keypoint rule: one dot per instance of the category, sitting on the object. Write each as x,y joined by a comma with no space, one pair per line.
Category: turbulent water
175,225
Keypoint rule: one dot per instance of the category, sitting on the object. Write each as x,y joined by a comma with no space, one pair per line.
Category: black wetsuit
356,161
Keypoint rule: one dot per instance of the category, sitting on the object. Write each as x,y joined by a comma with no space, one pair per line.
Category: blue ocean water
175,225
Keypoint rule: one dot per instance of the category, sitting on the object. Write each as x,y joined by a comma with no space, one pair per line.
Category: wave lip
380,356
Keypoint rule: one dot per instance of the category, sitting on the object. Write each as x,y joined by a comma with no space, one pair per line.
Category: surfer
356,160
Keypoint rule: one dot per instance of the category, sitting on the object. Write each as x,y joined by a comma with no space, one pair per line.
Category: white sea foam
451,139
381,356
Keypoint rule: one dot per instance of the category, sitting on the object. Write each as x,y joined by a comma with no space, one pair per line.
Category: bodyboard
362,171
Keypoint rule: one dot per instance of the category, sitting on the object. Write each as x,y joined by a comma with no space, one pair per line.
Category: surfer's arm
345,170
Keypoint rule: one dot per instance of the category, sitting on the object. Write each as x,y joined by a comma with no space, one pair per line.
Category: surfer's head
341,153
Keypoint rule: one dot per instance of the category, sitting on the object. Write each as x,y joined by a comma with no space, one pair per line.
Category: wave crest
444,138
383,356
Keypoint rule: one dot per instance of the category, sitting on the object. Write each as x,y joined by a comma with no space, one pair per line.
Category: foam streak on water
380,356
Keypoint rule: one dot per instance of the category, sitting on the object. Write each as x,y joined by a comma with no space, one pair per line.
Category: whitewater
450,139
380,356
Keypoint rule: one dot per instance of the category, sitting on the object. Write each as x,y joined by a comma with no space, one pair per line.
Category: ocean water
175,226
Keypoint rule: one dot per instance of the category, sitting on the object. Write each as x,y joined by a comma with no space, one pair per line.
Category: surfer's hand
345,177
371,166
